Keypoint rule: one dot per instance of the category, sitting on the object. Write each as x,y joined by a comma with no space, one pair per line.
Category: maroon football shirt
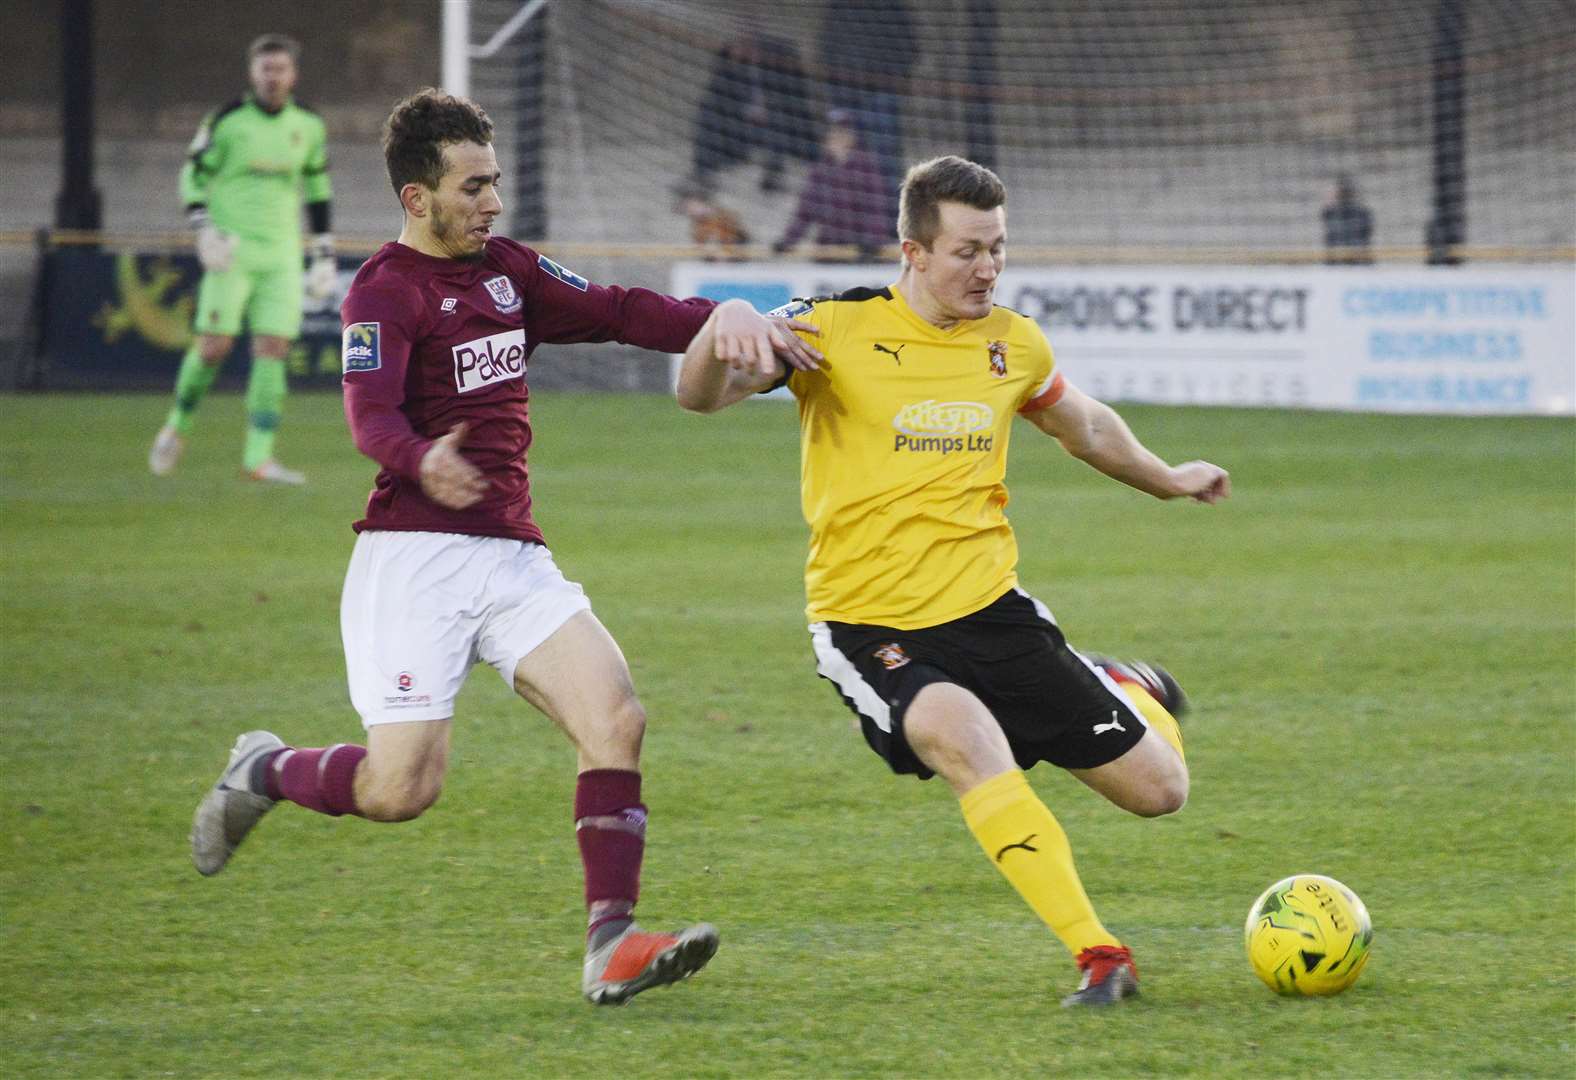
430,342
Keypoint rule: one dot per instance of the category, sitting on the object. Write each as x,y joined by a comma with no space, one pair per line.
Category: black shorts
1053,704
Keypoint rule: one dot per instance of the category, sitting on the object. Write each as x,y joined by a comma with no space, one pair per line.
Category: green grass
1379,631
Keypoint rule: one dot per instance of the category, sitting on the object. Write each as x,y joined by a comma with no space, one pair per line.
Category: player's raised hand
792,349
447,478
749,342
1201,481
743,339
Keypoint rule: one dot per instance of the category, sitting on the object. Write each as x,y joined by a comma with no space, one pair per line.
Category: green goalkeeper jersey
251,168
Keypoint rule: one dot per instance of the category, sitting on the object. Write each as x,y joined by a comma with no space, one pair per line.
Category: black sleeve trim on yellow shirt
861,293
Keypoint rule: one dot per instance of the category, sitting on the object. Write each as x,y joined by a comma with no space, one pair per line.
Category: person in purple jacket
449,566
844,197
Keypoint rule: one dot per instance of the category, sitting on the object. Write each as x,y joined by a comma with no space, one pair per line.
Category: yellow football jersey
904,452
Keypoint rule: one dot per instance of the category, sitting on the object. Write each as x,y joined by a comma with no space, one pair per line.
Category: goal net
1123,128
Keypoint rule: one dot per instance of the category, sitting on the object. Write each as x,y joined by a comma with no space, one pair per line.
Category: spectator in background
715,228
868,49
1348,225
755,99
845,196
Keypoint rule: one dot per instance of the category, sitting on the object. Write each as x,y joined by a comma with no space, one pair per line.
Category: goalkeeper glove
215,247
322,274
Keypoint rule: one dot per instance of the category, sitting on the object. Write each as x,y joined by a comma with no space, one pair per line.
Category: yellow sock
1155,715
1030,849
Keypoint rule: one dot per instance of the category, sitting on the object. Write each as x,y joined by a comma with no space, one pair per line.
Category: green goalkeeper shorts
266,300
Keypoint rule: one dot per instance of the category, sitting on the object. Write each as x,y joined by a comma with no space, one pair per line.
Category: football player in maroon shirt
449,567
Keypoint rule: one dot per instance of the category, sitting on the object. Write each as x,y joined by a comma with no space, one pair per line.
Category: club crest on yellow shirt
998,358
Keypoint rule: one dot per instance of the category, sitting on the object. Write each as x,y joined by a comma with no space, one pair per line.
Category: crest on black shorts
892,655
998,358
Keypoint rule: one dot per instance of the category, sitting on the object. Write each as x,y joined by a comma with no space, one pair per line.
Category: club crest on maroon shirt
503,294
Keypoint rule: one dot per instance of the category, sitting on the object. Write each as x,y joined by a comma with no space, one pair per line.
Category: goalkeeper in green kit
251,165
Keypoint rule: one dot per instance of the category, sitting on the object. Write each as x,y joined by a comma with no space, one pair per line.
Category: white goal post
458,51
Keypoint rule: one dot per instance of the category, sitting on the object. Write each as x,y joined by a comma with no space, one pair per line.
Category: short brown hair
939,180
420,127
269,43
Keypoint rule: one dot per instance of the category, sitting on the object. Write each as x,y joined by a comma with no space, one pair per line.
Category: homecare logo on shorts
943,427
405,682
489,360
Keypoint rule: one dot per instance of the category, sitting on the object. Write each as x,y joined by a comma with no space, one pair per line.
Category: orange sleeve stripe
1052,395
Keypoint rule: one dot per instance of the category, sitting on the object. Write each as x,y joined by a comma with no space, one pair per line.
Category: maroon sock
321,779
610,824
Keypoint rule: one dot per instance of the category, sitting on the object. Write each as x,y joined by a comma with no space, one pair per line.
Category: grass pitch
1377,632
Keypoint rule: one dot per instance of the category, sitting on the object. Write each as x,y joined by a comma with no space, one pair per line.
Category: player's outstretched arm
739,352
1092,432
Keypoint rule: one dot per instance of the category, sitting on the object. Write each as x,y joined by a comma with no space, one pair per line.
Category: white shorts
419,608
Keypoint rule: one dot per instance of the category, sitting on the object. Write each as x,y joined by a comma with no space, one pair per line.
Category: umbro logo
1114,725
1024,844
449,304
893,353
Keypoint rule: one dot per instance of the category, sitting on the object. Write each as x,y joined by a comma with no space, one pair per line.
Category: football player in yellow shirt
914,606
